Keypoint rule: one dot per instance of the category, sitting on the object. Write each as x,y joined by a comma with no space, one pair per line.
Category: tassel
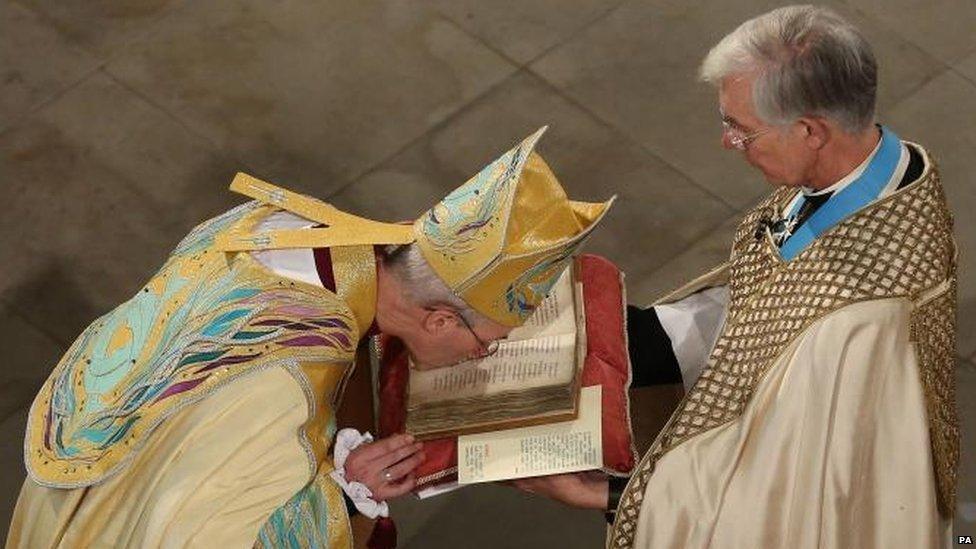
384,534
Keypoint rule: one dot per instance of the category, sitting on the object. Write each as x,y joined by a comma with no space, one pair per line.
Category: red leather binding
607,363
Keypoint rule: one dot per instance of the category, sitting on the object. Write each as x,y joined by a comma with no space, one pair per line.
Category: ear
815,132
440,322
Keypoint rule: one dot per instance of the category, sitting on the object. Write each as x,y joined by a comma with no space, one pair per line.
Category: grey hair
808,60
422,285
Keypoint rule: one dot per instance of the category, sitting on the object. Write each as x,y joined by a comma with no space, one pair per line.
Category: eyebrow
728,118
731,120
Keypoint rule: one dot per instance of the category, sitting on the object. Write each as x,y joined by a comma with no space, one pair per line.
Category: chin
769,176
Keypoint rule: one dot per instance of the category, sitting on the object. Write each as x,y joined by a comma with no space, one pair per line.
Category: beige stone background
122,122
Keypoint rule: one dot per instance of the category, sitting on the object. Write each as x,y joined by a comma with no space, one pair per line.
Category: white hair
422,285
807,60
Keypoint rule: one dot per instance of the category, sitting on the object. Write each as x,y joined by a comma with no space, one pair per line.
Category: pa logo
964,540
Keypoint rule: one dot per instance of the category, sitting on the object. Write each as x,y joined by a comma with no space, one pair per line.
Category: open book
532,379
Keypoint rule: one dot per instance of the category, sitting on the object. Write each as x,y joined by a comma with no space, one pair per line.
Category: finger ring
387,475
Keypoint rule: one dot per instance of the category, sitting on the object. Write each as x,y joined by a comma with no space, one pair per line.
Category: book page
534,451
517,365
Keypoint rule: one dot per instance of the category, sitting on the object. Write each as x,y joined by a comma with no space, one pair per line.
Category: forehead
735,97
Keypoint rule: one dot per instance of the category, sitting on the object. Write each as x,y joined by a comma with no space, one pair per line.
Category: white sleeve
693,325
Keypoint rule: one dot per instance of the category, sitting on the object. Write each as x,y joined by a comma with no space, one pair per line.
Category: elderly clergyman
819,359
202,412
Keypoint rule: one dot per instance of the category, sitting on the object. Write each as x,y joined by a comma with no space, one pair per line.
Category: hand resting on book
587,490
386,466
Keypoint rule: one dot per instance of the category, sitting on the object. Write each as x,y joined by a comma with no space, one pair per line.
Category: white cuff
693,325
346,441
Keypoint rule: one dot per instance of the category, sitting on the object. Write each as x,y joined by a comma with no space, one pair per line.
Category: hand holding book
587,490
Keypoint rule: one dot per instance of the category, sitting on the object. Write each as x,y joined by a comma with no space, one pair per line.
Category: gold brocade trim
305,206
934,335
354,269
316,237
324,383
900,245
339,527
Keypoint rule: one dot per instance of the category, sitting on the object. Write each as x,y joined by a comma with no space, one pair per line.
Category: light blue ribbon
859,193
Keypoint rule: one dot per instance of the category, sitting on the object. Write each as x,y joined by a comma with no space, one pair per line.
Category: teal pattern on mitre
456,225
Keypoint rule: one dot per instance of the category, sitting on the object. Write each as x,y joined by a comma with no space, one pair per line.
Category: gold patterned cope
205,319
898,246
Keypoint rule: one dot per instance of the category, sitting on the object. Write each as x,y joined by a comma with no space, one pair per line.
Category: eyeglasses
739,138
488,348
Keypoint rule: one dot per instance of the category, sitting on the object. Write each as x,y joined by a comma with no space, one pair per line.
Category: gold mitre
501,240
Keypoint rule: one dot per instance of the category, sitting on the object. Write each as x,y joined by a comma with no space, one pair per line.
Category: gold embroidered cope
898,246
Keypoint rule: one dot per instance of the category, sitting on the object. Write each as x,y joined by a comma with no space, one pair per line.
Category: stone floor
122,122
